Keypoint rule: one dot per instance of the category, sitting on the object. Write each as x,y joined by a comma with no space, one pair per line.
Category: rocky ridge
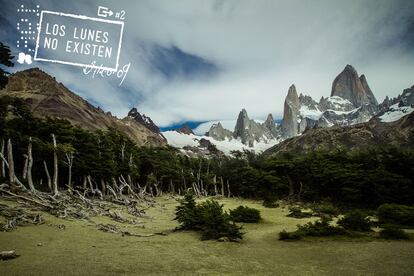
46,97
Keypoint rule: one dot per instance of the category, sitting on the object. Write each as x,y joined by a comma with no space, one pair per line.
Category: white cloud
264,46
261,48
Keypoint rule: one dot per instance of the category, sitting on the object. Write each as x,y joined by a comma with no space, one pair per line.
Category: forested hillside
103,161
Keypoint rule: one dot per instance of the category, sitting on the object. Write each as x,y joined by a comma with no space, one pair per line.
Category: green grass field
81,249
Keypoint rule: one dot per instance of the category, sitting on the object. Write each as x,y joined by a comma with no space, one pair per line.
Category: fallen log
127,233
26,198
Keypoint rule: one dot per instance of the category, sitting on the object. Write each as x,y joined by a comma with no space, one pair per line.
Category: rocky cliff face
351,102
404,99
143,120
248,131
290,113
349,86
270,125
392,109
46,97
218,132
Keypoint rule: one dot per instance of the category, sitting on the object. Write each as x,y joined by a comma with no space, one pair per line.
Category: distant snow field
179,140
395,113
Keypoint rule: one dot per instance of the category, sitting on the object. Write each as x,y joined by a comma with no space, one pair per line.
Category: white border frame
83,18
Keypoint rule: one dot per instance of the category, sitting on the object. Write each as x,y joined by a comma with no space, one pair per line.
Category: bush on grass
187,213
296,212
245,214
208,218
393,234
326,209
270,202
355,221
396,214
284,235
319,228
215,223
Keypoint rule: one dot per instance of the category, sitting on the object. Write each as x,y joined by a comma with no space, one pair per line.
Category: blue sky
202,60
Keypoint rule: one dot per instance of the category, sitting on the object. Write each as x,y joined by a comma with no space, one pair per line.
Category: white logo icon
24,58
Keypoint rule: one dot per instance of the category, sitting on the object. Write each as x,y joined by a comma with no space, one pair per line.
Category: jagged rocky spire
271,126
144,120
349,86
218,132
290,113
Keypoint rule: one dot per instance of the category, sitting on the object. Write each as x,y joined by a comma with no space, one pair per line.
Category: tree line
51,154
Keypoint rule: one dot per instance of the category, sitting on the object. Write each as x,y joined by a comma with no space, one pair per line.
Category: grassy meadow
81,249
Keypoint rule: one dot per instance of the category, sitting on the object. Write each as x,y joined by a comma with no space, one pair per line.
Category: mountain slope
373,133
46,97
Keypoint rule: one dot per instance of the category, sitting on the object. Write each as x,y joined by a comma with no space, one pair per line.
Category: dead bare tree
49,180
14,181
157,192
124,184
131,184
183,177
123,151
93,190
11,165
228,188
215,184
199,188
55,166
29,166
130,163
69,162
26,163
172,188
103,186
109,188
3,165
84,183
196,190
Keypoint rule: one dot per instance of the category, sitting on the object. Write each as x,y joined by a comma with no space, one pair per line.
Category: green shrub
296,212
187,213
327,209
215,223
320,228
283,235
355,221
245,214
270,202
207,217
393,234
396,214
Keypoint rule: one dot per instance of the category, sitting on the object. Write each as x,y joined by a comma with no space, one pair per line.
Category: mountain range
351,102
343,119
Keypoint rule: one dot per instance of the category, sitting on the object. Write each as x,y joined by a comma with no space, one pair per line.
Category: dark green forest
104,159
